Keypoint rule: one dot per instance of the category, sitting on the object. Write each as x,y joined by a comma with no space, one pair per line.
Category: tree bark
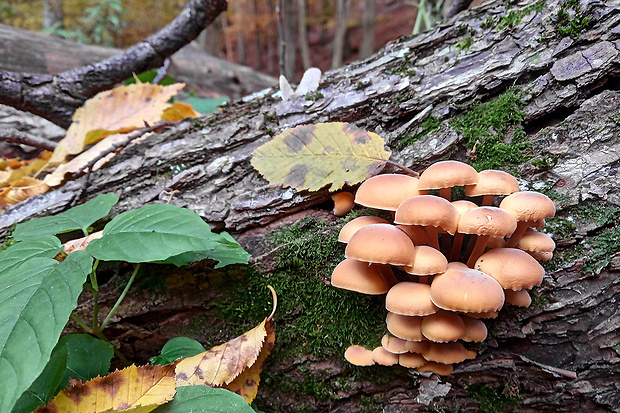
302,22
56,97
571,97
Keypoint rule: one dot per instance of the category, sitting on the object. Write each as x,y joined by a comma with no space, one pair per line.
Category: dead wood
570,89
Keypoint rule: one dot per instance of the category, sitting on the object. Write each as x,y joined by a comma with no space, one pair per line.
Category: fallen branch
22,138
56,97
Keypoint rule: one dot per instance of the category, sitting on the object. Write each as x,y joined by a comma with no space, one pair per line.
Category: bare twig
550,369
22,138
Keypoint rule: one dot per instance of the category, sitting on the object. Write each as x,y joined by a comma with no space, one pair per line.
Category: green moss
465,44
601,213
545,162
8,241
603,246
314,96
488,23
312,317
560,228
484,125
571,20
514,17
428,125
490,399
270,117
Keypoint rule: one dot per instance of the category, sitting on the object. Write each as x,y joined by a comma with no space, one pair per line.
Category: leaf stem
120,299
82,323
404,168
95,290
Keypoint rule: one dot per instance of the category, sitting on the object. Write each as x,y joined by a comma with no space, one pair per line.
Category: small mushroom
343,203
519,298
382,244
361,277
539,245
393,344
485,222
352,226
490,183
384,357
443,326
386,191
445,175
430,211
411,360
437,368
466,290
512,268
405,327
359,356
528,208
448,353
410,298
475,330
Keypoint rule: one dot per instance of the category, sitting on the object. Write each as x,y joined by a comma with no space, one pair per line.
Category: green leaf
178,347
157,233
45,246
36,300
79,356
204,106
79,217
204,399
87,357
47,385
310,157
149,76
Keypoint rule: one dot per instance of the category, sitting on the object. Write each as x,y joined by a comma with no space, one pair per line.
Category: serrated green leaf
204,399
47,385
79,217
36,300
310,157
162,232
178,347
45,246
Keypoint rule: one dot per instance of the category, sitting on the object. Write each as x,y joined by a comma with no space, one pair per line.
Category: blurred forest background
325,33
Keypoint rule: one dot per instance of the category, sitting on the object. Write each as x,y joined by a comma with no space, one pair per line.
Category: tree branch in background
22,138
56,97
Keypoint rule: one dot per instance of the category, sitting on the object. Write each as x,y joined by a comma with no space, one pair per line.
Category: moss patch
312,317
484,127
571,20
491,399
428,125
514,17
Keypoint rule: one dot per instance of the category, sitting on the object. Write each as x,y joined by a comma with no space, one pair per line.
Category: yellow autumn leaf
246,383
133,389
122,107
20,190
309,157
179,111
235,365
12,170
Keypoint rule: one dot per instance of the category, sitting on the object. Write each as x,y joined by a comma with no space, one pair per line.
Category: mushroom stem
481,243
433,236
517,235
446,243
446,193
387,274
423,279
487,200
456,247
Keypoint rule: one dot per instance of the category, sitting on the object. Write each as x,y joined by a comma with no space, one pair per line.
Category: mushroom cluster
444,265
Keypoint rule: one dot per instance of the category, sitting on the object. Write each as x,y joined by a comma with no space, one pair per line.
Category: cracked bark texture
572,98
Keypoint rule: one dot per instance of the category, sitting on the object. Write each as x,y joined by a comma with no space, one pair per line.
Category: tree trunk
569,89
368,28
302,21
342,18
52,14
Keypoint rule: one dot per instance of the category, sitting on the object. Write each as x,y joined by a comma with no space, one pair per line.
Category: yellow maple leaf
235,365
122,108
179,111
20,190
246,383
309,157
136,389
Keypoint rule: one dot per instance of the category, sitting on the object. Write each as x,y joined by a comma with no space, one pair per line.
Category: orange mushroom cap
380,243
386,191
